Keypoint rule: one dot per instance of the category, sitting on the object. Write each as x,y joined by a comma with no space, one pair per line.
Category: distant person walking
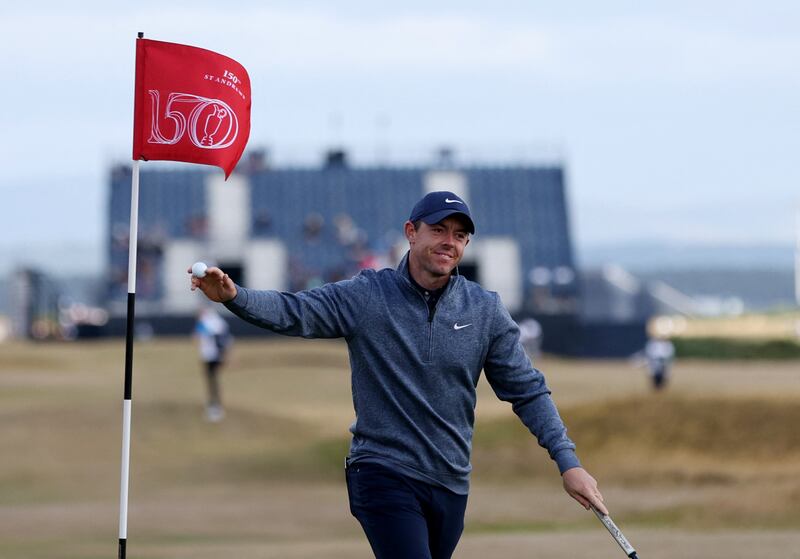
530,336
659,353
214,340
419,338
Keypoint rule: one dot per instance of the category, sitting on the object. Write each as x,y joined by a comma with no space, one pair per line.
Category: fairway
706,469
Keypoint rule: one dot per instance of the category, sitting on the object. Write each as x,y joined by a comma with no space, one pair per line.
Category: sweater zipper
431,312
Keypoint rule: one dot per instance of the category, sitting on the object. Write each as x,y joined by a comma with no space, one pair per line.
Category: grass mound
727,429
657,437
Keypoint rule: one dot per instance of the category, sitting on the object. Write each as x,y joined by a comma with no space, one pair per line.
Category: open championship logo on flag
190,104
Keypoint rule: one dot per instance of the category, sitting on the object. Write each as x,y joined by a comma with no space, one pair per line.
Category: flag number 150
210,123
228,75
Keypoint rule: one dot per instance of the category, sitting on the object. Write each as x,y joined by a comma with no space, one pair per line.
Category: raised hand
216,285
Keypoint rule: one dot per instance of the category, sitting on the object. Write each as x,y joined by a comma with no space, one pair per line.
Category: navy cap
436,206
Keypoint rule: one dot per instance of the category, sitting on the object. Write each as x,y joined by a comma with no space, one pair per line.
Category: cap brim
436,217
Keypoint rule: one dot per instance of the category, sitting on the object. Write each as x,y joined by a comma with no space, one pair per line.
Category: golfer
419,337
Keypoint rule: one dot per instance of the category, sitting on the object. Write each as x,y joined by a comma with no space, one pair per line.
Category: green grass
736,348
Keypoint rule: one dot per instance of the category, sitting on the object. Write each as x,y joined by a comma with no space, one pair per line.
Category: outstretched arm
514,379
216,285
329,311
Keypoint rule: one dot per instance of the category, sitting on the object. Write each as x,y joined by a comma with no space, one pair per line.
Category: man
530,336
659,353
418,338
213,340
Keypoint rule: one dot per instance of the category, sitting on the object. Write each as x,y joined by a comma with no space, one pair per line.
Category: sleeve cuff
238,302
566,460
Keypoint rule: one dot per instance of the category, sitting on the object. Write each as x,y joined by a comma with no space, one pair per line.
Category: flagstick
126,405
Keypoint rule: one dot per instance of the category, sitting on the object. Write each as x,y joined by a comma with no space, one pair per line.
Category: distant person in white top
530,336
214,340
659,353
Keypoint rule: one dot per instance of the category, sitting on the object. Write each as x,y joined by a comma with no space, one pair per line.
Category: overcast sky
677,123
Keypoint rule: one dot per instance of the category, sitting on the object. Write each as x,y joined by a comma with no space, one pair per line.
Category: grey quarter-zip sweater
415,370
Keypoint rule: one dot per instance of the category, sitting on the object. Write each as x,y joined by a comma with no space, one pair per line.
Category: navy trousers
404,518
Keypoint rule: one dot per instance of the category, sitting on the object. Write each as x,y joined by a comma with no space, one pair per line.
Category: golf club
616,533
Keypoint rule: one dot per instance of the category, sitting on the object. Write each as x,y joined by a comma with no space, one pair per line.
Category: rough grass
718,451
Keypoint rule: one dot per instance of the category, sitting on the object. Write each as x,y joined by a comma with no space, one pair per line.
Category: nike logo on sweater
458,326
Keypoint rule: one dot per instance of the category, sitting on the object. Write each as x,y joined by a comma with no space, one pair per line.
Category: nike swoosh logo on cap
458,326
449,201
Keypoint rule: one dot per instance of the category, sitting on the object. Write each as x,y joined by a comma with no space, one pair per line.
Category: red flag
190,104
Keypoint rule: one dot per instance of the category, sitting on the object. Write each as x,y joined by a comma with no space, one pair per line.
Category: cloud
616,48
628,89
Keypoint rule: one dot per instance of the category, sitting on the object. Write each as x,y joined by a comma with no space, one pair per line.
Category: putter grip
616,533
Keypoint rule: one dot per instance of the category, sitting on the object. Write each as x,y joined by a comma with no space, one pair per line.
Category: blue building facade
333,220
297,227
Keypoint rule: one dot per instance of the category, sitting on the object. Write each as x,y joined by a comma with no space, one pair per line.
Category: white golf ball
199,269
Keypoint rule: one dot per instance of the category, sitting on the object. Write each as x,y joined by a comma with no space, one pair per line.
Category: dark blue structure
334,218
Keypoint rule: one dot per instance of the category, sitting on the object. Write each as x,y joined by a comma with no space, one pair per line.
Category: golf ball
199,269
